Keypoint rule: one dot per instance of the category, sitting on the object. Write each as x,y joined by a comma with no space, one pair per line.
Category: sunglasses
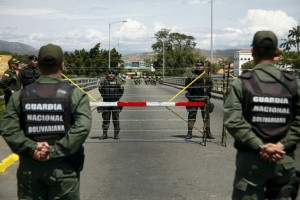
111,73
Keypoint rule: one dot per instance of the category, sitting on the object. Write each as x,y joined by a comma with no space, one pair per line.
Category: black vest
29,75
269,107
46,111
111,90
199,89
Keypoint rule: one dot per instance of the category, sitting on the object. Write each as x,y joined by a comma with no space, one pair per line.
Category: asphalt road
151,160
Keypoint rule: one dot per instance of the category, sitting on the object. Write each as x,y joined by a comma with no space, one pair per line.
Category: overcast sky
77,24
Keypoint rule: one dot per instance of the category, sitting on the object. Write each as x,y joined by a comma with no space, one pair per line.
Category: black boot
189,135
209,135
104,136
116,135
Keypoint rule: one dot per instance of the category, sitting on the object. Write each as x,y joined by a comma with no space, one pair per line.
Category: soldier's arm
5,82
11,130
293,135
210,84
20,76
71,143
121,87
235,123
100,87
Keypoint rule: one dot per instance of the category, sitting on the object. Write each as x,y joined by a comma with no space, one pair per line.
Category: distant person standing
261,112
9,81
111,89
30,73
198,91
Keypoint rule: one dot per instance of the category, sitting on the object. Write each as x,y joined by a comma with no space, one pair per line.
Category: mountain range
20,48
17,47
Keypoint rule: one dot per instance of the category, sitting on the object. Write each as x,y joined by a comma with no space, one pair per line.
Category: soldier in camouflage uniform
30,73
200,90
261,112
111,89
46,124
9,81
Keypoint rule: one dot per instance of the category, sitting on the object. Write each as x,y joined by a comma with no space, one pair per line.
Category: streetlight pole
110,23
163,58
211,36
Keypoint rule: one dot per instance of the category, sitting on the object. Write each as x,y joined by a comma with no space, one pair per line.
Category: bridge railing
86,84
219,82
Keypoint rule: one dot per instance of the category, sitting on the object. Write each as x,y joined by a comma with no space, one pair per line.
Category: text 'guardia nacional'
277,100
44,106
270,109
47,118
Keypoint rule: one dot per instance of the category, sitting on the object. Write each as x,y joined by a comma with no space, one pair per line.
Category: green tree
248,66
294,34
115,58
177,49
289,57
287,44
92,62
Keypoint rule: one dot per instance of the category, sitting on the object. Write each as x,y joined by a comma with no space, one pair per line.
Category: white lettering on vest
270,109
43,106
39,118
48,129
277,100
275,120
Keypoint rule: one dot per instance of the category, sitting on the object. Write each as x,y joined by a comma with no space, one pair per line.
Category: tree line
174,52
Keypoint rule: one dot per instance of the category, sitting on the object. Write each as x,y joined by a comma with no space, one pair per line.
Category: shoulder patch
6,75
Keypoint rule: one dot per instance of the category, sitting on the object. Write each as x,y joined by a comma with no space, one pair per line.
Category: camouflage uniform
200,90
9,83
111,89
262,109
28,121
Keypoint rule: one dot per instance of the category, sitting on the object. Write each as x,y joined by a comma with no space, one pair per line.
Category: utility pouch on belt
77,160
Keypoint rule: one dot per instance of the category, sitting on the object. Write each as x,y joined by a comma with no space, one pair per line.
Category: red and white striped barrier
142,103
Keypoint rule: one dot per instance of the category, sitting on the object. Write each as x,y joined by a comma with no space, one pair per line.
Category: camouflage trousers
48,180
113,111
256,179
192,115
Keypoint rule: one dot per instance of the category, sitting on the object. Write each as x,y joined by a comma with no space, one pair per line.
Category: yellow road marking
6,162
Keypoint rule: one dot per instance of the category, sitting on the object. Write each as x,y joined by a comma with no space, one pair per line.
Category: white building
239,58
242,56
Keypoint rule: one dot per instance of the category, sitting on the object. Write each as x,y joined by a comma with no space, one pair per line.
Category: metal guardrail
88,84
218,82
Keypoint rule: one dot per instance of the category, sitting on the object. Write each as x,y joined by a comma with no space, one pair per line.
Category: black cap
199,63
32,57
13,61
112,71
50,55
